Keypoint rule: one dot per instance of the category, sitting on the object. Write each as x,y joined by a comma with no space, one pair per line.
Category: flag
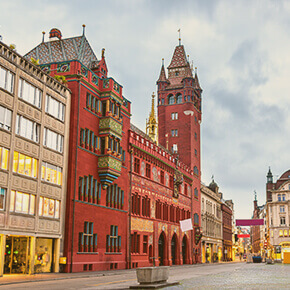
186,225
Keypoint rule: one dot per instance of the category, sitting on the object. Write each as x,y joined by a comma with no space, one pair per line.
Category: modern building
227,222
97,225
34,138
278,211
211,223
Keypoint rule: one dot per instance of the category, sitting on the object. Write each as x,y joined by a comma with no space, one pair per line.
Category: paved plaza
205,276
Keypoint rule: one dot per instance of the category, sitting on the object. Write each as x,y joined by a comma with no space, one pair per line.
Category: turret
269,185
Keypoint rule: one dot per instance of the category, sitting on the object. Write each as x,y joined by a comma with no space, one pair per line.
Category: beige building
34,131
278,215
211,223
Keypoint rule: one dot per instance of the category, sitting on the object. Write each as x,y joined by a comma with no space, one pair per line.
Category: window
2,198
176,73
55,108
174,116
5,118
174,148
88,241
162,101
27,129
135,243
171,181
89,139
145,244
89,189
196,193
113,241
4,158
282,220
185,189
196,219
162,177
171,100
51,173
174,133
279,197
179,99
283,197
115,197
49,207
29,93
282,208
6,80
145,206
195,152
148,170
195,136
195,170
53,140
285,233
22,202
24,164
137,165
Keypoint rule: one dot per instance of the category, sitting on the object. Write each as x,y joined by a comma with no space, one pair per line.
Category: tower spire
179,39
151,123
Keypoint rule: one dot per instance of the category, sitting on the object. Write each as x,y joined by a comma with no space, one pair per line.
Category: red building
126,195
96,226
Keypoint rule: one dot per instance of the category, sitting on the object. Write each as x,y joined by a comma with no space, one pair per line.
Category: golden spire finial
151,123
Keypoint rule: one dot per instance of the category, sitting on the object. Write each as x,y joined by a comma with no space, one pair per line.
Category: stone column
2,253
32,255
56,255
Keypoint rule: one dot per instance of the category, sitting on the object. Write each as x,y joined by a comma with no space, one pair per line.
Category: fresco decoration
143,168
162,227
95,80
150,240
178,180
155,174
84,71
46,68
106,83
166,179
142,225
63,67
153,210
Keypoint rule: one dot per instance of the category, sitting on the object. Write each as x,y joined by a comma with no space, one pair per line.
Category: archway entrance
151,254
184,250
173,249
161,249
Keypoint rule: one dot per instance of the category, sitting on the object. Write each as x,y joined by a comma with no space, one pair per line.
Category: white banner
186,225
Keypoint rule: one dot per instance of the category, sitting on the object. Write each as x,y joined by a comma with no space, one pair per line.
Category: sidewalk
16,278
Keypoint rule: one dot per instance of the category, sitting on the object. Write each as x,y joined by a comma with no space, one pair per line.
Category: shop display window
48,207
51,173
25,165
22,202
43,255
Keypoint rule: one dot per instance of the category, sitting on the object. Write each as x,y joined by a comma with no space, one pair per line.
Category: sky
241,50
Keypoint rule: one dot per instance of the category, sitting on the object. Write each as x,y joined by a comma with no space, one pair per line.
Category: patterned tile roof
162,76
179,58
74,48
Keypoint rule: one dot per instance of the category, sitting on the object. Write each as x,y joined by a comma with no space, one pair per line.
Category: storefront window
22,202
43,255
48,207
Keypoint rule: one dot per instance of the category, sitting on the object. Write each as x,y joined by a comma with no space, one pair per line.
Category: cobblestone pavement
248,276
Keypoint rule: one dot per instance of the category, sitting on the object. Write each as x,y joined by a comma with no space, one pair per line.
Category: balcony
109,169
108,125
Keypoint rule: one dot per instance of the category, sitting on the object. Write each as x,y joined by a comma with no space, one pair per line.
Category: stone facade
278,215
211,223
33,182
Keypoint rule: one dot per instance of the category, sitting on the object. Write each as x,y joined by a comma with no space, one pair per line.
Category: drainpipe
74,200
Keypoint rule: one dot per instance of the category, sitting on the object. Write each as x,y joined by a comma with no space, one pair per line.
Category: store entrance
16,255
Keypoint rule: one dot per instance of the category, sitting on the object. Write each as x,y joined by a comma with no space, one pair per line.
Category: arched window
196,219
171,99
279,197
179,99
195,170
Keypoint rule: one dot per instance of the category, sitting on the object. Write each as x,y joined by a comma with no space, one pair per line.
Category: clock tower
179,110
